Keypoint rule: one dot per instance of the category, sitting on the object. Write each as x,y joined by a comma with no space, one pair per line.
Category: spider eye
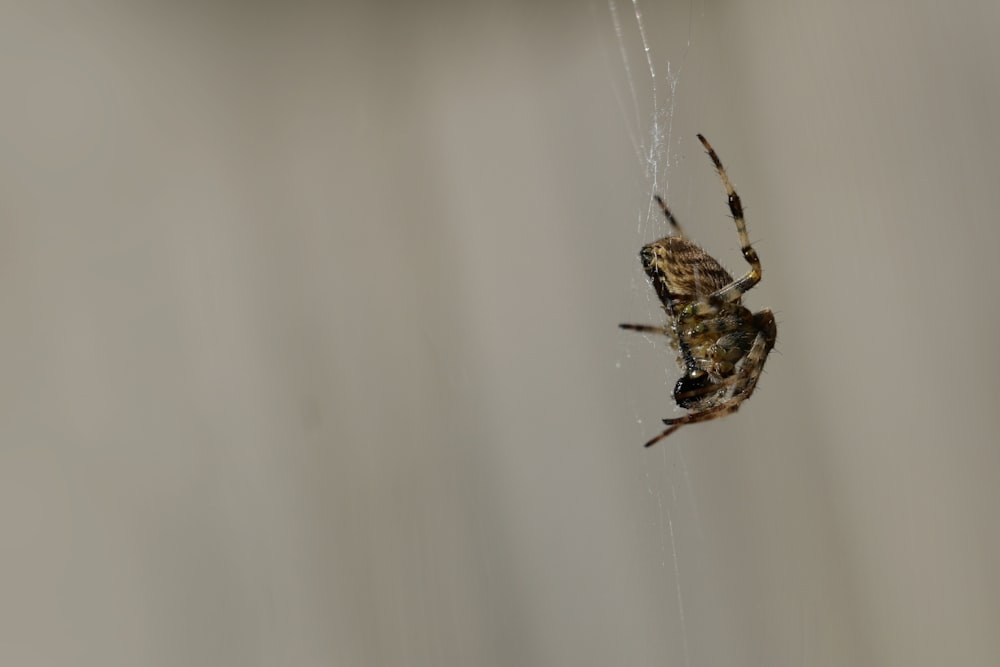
690,389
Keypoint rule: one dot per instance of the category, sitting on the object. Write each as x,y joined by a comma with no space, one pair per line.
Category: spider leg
767,333
665,433
720,410
670,216
644,328
737,288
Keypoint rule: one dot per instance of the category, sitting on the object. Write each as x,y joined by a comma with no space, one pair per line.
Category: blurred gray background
310,352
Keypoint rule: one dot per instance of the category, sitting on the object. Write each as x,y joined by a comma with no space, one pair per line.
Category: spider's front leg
736,289
643,328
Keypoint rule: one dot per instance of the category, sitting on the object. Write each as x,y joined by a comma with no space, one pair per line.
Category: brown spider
720,344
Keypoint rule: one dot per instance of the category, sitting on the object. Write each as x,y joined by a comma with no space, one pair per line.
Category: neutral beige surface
309,352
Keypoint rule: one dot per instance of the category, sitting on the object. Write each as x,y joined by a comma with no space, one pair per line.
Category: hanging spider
720,344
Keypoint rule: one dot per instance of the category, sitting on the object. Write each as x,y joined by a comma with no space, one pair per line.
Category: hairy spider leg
737,288
644,328
670,216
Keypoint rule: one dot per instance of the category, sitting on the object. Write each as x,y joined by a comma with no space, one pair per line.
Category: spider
721,345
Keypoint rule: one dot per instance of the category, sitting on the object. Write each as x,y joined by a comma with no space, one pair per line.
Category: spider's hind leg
665,433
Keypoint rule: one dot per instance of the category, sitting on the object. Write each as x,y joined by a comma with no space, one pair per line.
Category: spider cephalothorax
720,344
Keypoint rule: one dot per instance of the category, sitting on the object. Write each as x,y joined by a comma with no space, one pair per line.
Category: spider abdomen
680,271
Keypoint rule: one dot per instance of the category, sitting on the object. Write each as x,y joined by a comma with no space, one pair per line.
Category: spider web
648,107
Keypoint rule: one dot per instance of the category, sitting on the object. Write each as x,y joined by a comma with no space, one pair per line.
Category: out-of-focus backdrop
309,349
